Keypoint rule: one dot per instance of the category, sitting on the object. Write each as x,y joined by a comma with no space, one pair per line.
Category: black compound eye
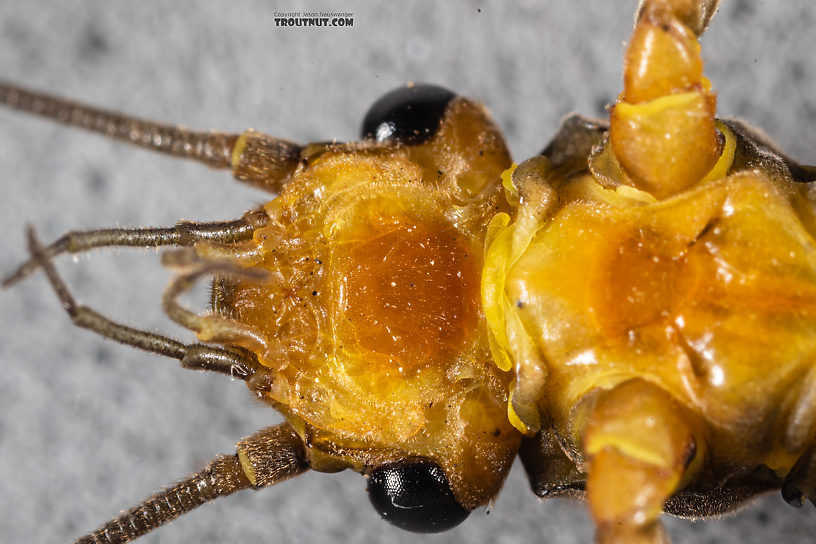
409,115
415,497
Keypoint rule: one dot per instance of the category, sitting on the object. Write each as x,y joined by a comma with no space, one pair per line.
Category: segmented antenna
222,477
211,148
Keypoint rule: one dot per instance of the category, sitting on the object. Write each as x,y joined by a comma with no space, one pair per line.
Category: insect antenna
211,148
268,457
256,158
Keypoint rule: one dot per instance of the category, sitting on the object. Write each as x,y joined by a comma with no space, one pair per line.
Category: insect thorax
709,294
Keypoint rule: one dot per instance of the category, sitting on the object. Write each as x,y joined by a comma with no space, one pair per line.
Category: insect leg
662,130
182,234
268,457
256,158
639,445
234,363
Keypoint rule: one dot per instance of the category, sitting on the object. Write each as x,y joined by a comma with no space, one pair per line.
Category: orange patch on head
410,290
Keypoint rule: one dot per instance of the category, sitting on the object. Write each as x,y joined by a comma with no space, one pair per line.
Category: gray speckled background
88,427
